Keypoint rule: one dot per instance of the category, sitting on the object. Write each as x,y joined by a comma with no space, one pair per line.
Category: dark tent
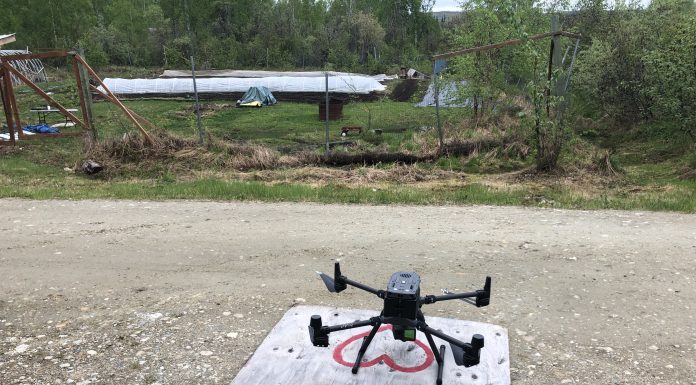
256,97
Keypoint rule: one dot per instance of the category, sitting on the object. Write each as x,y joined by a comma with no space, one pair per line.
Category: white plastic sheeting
448,96
265,74
337,84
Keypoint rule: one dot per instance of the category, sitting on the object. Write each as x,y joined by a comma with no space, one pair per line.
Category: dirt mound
404,90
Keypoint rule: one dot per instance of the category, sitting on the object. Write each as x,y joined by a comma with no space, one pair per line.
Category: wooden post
7,107
115,100
82,80
9,92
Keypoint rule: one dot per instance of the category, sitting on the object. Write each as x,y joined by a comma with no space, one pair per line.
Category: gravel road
121,292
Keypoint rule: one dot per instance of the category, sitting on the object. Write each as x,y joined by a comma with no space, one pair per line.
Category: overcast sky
454,5
446,5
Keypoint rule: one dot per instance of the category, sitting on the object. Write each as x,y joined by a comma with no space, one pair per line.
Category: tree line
281,34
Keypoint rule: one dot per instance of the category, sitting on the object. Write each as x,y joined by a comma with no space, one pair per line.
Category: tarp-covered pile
257,96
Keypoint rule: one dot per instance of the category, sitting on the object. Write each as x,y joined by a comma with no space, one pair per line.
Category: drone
402,310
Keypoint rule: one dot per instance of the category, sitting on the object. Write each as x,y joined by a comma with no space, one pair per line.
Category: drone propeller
328,281
336,284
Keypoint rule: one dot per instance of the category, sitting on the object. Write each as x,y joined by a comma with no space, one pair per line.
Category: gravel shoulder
178,292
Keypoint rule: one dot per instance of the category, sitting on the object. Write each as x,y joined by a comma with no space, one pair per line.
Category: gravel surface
120,292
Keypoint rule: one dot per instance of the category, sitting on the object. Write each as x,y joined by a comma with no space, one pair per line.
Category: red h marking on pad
338,354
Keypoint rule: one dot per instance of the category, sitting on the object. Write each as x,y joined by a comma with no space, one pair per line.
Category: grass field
652,166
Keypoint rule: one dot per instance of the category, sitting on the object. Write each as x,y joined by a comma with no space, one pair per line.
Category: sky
454,5
447,5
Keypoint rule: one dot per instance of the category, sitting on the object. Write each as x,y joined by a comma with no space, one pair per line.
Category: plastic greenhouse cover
337,84
448,96
265,74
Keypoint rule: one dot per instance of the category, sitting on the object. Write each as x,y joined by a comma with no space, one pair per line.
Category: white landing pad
288,357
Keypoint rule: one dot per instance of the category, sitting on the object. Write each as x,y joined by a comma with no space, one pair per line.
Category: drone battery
403,295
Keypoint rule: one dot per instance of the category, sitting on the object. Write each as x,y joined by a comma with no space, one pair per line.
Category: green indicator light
410,334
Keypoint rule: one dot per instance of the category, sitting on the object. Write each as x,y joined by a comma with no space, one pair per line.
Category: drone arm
319,334
465,353
379,293
352,325
483,296
340,282
453,341
428,299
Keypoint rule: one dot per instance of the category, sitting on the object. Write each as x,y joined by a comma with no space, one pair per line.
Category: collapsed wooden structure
85,78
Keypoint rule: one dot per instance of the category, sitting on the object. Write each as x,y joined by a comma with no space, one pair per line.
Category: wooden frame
83,74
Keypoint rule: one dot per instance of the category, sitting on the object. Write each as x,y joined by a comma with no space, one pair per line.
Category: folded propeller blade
328,281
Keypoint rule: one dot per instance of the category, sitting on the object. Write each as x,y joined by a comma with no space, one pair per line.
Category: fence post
326,113
201,134
436,86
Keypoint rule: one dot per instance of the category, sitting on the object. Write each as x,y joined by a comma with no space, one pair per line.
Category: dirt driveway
121,292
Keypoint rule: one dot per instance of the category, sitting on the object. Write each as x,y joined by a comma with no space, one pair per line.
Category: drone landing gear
363,347
439,356
466,354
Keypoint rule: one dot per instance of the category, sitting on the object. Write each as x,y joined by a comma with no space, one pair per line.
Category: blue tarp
258,94
41,129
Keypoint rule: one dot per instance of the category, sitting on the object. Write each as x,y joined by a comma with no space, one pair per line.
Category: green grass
285,125
74,187
651,158
289,123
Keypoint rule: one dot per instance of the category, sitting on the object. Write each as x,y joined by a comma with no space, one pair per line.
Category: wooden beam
503,44
85,98
57,135
29,56
44,95
109,98
115,100
9,92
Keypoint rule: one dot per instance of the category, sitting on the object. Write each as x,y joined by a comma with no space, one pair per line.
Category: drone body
402,301
402,309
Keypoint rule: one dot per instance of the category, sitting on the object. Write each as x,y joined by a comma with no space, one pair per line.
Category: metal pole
556,59
437,111
326,112
198,107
